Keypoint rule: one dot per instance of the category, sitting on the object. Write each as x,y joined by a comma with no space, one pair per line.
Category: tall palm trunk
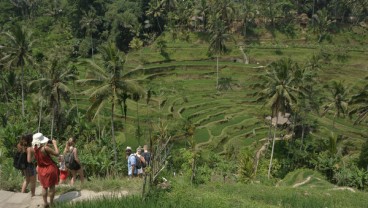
75,98
273,145
52,122
113,133
6,99
302,135
99,127
39,119
22,83
92,44
314,4
193,169
138,127
217,70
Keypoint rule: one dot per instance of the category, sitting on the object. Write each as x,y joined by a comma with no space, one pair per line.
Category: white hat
39,138
128,148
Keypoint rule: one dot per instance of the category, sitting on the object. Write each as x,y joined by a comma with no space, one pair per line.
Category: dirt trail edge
24,200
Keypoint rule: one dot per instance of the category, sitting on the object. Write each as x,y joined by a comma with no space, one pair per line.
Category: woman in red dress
47,169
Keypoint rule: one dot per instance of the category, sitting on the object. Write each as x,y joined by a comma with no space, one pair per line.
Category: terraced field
185,90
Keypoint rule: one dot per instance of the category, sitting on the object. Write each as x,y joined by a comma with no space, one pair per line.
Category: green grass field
316,192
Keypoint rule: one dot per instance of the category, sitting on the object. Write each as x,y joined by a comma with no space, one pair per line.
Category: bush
10,178
85,48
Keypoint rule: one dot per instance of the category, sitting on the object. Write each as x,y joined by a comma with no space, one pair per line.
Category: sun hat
128,148
39,138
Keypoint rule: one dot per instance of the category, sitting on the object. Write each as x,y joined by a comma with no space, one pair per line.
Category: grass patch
236,195
201,135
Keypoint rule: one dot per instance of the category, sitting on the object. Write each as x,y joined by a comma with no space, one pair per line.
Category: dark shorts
30,170
77,167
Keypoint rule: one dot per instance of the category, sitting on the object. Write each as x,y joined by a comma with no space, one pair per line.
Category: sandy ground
24,200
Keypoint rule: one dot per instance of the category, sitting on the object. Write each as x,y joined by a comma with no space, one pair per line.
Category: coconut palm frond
100,92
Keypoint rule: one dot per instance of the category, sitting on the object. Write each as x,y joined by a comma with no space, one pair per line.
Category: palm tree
338,102
109,84
201,11
321,24
155,10
89,22
54,88
224,9
217,41
19,52
359,102
278,92
136,44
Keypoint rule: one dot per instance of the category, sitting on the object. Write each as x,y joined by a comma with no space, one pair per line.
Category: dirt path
24,200
302,183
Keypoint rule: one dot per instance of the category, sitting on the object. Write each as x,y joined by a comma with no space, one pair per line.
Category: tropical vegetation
230,94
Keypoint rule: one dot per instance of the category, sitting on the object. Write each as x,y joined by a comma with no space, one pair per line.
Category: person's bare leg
25,184
81,174
44,196
52,194
32,180
74,175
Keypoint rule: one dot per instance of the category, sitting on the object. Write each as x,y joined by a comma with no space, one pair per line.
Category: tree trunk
273,145
92,45
52,122
138,127
39,121
113,133
76,101
22,83
193,170
99,128
302,135
217,70
258,154
7,102
151,165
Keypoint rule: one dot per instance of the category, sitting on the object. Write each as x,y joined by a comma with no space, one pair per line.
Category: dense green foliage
316,193
222,90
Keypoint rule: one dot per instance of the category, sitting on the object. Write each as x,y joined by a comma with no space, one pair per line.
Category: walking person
78,169
147,155
141,163
47,169
132,171
25,145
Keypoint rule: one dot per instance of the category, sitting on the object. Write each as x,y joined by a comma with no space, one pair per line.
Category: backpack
139,163
70,162
20,160
147,157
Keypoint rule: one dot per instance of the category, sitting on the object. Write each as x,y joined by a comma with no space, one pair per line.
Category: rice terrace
241,103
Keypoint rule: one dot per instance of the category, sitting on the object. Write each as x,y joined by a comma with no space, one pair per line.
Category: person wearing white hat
132,171
47,169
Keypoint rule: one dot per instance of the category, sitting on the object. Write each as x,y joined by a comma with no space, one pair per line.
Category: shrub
10,178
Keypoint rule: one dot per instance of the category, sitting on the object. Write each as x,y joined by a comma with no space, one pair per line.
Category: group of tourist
138,161
39,148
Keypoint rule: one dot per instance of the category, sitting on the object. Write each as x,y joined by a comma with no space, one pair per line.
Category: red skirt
63,174
48,175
